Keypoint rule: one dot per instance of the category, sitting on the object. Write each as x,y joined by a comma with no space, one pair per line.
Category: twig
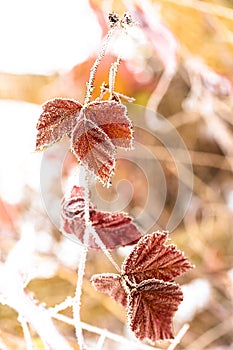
100,344
101,54
115,337
178,337
103,248
26,332
76,301
62,306
112,76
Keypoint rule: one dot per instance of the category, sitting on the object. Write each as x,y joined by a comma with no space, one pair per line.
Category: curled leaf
114,229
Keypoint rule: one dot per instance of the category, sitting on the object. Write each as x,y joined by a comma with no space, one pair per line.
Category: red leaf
96,130
93,148
111,284
114,229
111,117
152,304
101,127
152,259
58,119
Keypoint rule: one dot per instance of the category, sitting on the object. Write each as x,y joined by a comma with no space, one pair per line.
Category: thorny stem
93,70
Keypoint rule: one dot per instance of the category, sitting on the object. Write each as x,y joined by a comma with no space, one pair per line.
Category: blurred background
177,61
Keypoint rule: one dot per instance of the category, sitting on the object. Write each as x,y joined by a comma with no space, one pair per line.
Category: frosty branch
144,285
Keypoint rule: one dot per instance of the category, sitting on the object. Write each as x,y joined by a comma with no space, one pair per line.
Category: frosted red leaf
95,130
93,148
151,302
111,284
101,127
151,258
58,119
114,229
151,306
111,117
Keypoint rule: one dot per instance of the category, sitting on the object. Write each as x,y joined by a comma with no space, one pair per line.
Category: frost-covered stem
103,248
38,317
93,70
178,337
91,230
62,306
130,344
112,75
76,304
100,344
26,333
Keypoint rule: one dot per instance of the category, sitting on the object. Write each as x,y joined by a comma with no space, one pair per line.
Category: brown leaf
93,148
101,127
112,118
58,119
151,258
111,284
96,130
114,229
152,304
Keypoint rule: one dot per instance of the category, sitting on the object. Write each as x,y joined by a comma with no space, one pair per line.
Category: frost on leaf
151,258
94,149
101,127
151,306
58,119
145,274
95,130
114,229
111,284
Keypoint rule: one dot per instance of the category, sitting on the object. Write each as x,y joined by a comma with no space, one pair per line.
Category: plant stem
26,332
93,70
112,75
76,304
103,248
